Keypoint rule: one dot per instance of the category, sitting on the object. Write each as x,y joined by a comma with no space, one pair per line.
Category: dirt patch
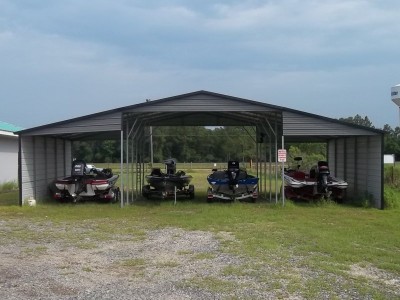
371,273
42,260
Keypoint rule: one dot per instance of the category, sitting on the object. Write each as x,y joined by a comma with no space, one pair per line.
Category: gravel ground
48,261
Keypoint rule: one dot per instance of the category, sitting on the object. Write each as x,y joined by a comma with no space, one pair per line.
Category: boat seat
299,175
156,172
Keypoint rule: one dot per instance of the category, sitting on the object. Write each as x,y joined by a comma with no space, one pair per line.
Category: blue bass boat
232,184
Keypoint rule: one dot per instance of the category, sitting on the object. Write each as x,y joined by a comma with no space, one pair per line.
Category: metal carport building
355,153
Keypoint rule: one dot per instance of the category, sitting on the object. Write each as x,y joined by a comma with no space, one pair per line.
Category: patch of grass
8,186
391,197
237,271
9,198
133,263
35,251
168,264
212,284
87,269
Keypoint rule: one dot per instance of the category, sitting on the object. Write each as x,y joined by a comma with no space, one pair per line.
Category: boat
316,184
232,184
169,183
86,183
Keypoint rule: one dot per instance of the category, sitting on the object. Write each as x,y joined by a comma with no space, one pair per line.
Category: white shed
8,152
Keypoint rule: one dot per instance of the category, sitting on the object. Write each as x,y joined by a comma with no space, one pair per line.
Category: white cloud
97,55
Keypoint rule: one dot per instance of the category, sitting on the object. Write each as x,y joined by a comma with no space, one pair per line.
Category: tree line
204,144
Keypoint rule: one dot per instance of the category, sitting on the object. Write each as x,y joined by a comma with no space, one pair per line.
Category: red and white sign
281,155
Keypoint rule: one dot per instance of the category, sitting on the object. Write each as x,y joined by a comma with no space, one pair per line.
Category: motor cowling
322,176
78,168
233,173
78,174
171,166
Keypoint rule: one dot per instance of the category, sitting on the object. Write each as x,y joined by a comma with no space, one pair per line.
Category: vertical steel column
34,167
121,168
20,185
265,170
283,174
45,158
151,146
355,159
136,167
276,159
127,161
132,168
271,131
270,169
257,158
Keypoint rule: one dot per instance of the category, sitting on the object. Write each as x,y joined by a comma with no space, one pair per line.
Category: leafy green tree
392,140
359,120
310,153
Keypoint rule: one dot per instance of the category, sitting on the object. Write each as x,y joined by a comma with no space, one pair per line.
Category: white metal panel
362,165
50,157
350,161
68,157
60,161
27,167
359,162
375,157
8,158
42,159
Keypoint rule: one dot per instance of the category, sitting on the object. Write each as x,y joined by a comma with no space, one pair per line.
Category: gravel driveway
59,261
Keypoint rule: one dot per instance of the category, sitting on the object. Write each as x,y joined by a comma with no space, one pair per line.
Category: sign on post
281,155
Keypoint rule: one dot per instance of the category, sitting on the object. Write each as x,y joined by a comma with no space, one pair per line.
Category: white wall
8,158
358,160
43,159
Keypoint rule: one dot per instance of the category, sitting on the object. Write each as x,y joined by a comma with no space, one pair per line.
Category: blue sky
68,58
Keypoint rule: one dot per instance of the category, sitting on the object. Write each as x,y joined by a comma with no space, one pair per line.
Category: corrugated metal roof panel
201,102
94,123
207,108
299,124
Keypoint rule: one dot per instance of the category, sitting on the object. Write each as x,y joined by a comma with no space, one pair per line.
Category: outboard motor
233,173
322,176
171,166
78,174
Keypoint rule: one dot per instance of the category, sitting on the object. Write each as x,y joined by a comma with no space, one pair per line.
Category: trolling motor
78,175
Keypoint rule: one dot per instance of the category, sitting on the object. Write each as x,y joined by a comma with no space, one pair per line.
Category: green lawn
327,239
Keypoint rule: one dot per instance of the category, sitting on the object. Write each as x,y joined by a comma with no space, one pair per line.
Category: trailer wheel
209,192
117,194
191,191
146,191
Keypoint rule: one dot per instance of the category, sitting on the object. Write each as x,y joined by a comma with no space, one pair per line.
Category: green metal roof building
9,127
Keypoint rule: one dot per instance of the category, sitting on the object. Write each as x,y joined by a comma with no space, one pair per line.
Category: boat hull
166,186
308,188
223,187
71,189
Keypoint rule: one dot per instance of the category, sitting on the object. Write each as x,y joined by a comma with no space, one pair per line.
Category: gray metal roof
202,108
